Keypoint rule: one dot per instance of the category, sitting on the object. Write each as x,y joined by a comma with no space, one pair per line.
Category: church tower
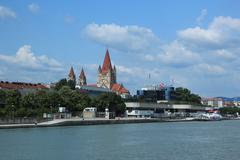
82,78
106,74
71,75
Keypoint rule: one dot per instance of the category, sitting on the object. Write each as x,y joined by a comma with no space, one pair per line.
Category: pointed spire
82,78
82,74
71,75
99,69
106,63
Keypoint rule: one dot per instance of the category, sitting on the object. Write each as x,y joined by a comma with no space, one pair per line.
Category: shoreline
81,122
96,121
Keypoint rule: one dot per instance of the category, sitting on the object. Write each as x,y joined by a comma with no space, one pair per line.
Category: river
218,140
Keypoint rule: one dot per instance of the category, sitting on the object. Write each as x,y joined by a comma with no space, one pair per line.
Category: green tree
61,83
13,98
111,101
2,98
71,84
73,100
229,110
185,95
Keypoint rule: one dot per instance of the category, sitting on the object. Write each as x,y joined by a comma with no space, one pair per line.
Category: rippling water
151,141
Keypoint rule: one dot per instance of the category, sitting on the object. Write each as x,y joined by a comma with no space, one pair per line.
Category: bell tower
106,74
82,78
71,75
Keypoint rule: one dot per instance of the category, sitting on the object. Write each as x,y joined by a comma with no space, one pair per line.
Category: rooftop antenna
149,79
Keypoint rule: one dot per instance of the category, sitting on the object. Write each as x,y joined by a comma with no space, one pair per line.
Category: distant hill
227,99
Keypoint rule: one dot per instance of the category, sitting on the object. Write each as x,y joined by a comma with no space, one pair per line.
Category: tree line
34,104
178,96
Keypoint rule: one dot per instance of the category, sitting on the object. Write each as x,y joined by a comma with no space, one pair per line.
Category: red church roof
106,63
119,88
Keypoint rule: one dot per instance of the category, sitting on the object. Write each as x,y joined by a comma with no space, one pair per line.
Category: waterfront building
22,87
152,109
213,102
93,90
156,93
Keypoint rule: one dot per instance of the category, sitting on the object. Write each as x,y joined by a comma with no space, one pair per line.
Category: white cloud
201,58
34,8
26,58
225,54
222,32
211,70
175,54
122,38
201,17
197,35
6,13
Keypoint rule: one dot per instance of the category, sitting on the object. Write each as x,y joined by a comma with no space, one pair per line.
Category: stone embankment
96,121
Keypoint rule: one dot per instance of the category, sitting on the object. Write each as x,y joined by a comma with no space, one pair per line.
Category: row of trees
184,95
230,110
179,95
48,101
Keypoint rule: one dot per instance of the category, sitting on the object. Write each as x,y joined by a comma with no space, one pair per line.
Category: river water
151,141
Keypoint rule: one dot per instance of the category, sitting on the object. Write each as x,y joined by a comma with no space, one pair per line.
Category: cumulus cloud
198,56
6,13
175,54
123,38
34,8
208,69
224,54
201,17
26,58
222,32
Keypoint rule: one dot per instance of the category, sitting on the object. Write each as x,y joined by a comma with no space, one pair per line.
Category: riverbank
96,121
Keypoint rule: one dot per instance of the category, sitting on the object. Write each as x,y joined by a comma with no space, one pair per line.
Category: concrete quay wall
69,122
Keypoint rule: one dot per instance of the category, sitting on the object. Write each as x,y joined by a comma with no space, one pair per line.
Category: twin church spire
106,74
81,79
107,77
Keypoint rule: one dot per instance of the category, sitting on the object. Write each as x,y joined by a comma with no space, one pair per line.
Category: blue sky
194,44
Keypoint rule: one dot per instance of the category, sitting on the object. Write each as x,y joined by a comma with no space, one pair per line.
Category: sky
191,44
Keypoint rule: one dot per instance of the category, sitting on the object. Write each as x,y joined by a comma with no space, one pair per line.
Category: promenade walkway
94,121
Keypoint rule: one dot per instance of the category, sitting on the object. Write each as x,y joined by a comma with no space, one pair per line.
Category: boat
208,117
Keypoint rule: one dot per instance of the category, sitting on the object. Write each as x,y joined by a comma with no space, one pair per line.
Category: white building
213,102
145,109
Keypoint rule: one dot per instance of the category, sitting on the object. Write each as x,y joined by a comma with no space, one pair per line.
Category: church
106,81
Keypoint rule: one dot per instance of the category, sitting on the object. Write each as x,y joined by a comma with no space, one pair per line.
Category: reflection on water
153,141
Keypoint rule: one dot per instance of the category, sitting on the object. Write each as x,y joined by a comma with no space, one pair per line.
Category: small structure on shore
89,112
62,114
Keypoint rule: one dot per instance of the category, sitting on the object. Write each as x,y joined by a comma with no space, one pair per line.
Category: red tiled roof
106,63
119,88
21,85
